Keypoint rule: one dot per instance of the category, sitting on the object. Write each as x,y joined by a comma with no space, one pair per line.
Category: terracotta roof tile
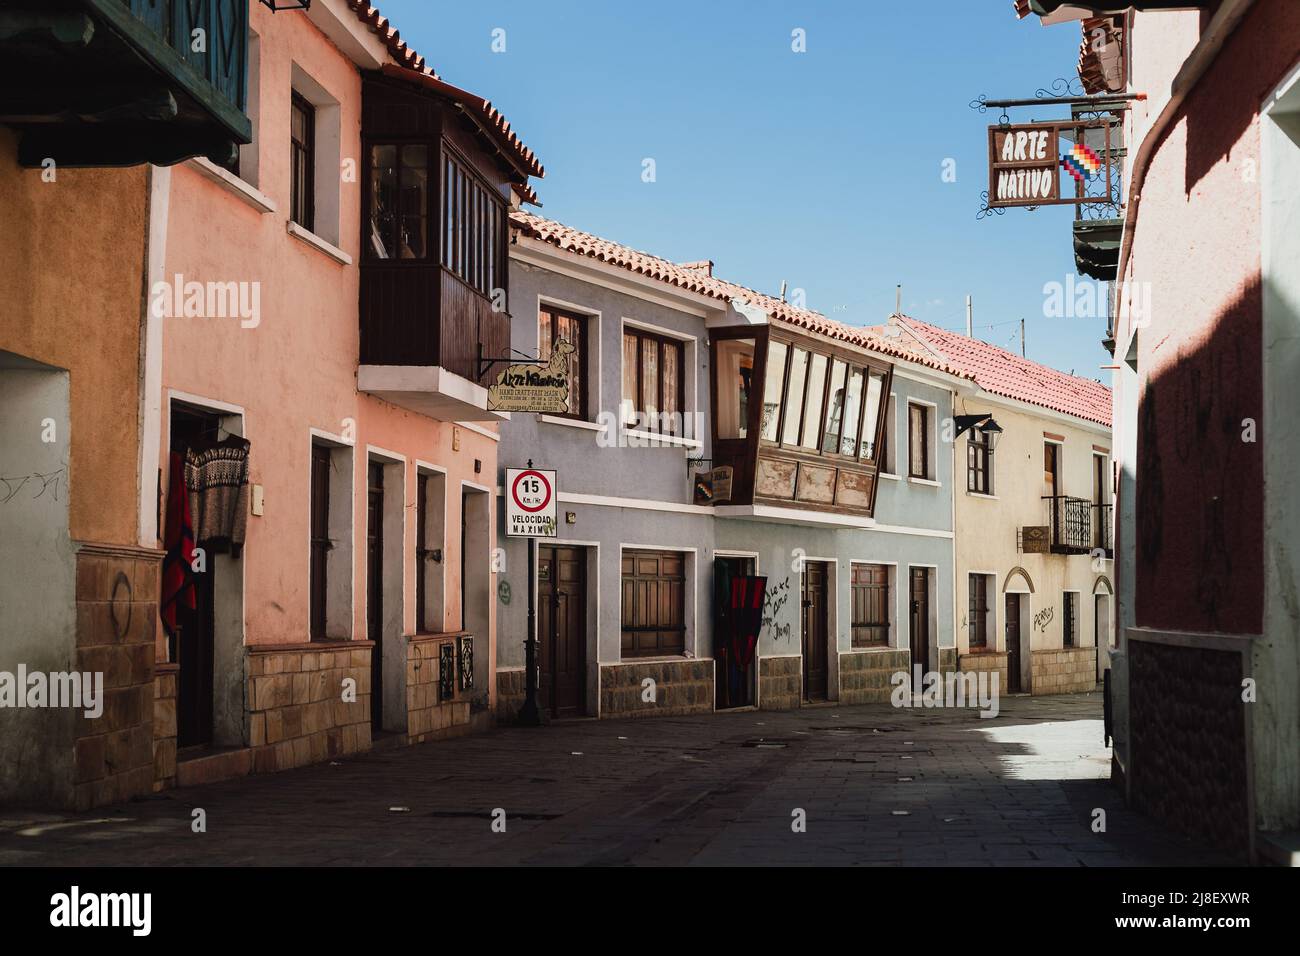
409,62
1004,373
369,14
693,278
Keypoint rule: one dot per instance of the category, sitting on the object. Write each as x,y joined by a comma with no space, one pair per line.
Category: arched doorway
1017,595
1102,624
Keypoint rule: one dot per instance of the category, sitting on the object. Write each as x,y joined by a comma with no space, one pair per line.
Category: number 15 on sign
531,503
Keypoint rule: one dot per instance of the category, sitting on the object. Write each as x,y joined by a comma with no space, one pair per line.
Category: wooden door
375,592
320,538
562,627
919,621
815,631
1051,468
1013,643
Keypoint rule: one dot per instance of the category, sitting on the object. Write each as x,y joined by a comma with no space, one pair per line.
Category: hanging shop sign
713,487
534,386
1028,163
1035,539
530,503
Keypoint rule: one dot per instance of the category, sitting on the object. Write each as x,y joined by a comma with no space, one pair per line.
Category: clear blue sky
821,168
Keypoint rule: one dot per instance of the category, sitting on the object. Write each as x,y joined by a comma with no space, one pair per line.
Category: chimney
702,265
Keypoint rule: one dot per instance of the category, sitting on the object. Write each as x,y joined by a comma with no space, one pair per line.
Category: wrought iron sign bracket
484,362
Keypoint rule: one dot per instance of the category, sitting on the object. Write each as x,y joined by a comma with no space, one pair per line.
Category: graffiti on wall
774,599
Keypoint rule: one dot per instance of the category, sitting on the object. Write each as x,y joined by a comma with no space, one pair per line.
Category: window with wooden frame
398,225
302,163
473,227
653,603
977,617
979,463
558,325
820,403
1070,619
870,605
654,390
918,441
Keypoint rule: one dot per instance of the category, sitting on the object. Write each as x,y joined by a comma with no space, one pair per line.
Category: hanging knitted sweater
216,477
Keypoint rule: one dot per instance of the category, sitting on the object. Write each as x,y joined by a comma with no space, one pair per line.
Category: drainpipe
1229,15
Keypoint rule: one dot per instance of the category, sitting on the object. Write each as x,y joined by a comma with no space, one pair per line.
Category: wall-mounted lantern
985,423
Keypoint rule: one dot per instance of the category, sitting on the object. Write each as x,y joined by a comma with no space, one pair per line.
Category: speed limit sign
530,503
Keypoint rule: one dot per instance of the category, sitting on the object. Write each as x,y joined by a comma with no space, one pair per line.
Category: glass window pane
650,382
629,378
875,385
544,335
734,374
794,397
672,363
568,330
834,408
414,201
812,410
852,414
774,379
383,201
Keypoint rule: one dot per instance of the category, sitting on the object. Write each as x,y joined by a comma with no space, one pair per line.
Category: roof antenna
1022,339
782,290
970,331
898,299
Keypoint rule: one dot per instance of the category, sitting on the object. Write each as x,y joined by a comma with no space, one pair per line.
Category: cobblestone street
880,786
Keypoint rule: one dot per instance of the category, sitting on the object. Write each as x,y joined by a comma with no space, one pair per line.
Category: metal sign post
531,513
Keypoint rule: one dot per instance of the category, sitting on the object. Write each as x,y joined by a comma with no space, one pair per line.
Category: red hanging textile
178,540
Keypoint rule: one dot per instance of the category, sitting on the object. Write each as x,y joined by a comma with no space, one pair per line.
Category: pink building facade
359,603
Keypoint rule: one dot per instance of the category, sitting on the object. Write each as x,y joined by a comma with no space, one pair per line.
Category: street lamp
985,423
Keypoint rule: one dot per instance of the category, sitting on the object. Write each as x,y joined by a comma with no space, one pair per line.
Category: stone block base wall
865,675
986,661
164,726
428,717
780,683
117,608
296,710
681,687
947,660
510,694
1066,671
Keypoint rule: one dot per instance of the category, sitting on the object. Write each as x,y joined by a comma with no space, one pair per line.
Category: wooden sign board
534,386
1026,163
1035,539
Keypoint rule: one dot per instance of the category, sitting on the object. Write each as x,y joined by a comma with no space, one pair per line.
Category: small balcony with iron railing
1069,524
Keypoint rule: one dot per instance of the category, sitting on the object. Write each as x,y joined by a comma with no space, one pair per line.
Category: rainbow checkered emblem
1081,162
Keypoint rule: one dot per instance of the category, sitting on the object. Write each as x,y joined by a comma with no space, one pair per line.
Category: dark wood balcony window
870,605
302,136
554,326
654,391
654,603
399,202
918,441
473,227
979,463
978,611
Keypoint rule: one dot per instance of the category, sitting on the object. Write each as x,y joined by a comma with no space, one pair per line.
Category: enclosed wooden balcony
434,277
122,82
799,420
